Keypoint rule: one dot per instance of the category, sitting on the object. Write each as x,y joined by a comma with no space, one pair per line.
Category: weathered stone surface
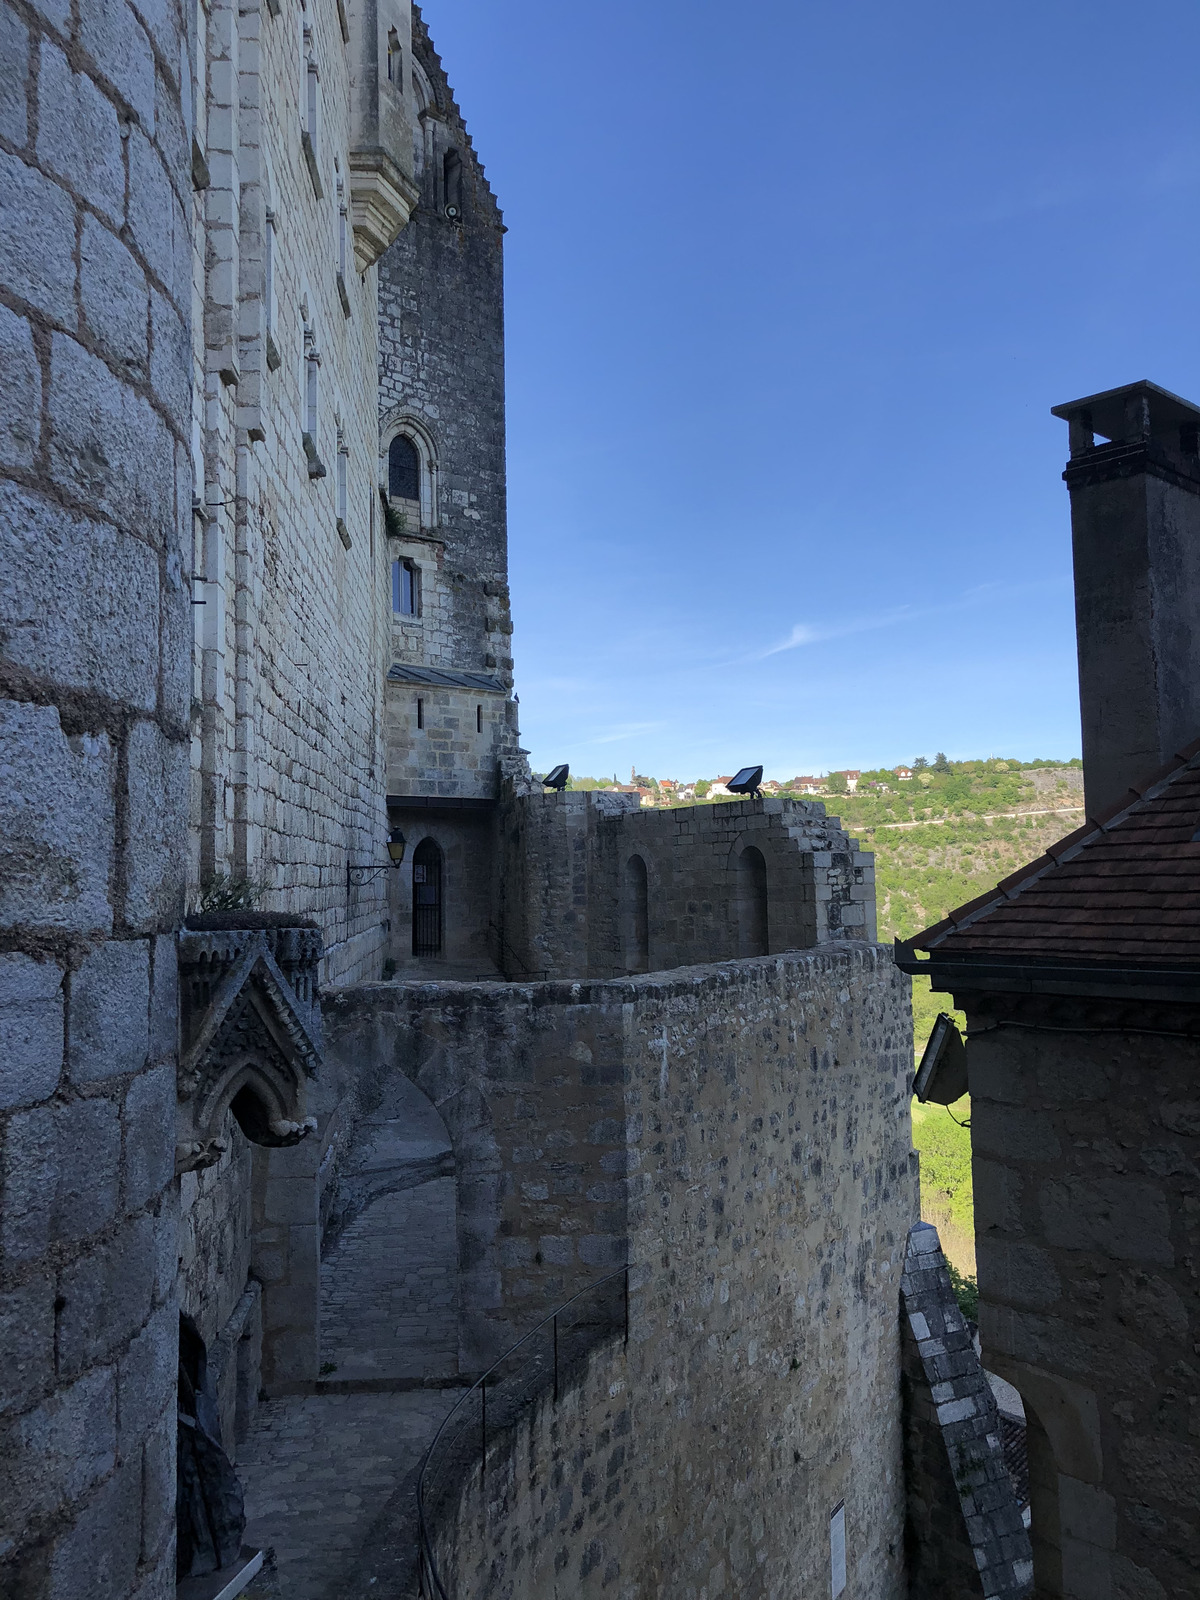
107,1033
20,423
108,641
31,1029
106,1297
62,1170
37,241
88,1563
157,799
121,52
58,1450
14,48
107,444
113,290
149,1117
56,814
147,1375
27,1338
79,137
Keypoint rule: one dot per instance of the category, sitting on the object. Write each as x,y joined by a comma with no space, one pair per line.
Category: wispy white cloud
806,633
626,731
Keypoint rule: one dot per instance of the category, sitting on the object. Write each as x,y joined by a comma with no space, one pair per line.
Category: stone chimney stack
1135,533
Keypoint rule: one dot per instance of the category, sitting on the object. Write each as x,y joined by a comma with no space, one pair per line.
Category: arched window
635,916
427,899
752,902
404,469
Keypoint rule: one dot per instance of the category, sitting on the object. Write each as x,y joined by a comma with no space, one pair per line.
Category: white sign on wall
837,1549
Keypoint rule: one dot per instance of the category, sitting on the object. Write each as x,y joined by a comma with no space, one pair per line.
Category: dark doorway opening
427,899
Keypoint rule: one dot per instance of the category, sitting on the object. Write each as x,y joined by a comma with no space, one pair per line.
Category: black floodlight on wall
746,782
942,1075
557,777
396,845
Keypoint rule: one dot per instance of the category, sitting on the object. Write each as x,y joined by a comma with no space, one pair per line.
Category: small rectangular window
343,479
312,366
406,589
478,719
420,713
269,273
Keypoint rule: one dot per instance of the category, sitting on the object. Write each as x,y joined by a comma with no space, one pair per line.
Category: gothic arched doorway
427,899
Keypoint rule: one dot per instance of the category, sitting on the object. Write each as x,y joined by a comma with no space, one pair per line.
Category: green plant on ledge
396,522
225,892
966,1292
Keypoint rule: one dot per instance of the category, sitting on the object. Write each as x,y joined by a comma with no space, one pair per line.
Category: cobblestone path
330,1479
330,1484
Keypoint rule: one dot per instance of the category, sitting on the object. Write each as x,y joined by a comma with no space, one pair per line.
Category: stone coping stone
227,1583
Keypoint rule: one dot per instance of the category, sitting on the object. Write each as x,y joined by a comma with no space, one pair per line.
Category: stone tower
450,716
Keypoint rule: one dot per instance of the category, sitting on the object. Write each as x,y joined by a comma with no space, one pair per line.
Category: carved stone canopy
251,1032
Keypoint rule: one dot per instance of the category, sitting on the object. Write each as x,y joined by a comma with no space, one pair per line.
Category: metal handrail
426,1564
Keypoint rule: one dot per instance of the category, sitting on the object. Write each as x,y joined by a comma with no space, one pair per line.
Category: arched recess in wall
390,1299
751,899
417,441
1045,1530
635,916
428,897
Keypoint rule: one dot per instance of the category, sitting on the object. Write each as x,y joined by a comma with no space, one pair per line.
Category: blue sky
791,288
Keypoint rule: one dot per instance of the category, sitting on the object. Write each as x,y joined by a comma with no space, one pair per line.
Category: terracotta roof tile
1126,887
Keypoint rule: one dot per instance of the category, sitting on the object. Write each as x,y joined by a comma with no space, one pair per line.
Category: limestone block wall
570,904
447,742
528,1081
768,1188
95,490
292,584
441,386
1086,1144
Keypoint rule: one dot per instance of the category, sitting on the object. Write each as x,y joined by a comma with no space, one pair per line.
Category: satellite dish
557,777
746,782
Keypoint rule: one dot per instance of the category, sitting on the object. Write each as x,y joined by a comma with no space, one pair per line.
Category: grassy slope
920,874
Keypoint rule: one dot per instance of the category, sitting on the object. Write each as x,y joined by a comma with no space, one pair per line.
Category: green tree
919,764
940,763
836,783
641,782
702,788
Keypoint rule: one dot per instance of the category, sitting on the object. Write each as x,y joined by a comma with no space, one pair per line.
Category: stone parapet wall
767,1192
95,492
566,882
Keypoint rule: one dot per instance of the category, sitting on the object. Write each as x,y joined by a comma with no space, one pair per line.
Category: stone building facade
1078,976
256,626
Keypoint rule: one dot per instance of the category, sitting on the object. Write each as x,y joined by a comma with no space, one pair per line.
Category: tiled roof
1124,889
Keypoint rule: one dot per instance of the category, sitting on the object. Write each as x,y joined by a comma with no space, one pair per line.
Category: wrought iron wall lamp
358,873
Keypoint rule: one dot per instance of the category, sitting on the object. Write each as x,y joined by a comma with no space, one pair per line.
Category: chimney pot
1135,535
